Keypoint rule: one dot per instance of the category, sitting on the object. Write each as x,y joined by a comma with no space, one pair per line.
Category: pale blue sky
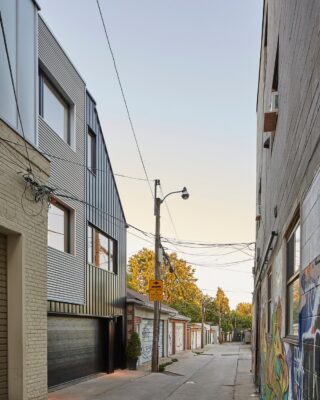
190,72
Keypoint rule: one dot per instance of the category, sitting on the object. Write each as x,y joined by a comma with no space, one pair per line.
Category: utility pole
156,319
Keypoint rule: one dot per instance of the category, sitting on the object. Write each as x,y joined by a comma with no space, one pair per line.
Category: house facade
86,225
286,326
23,217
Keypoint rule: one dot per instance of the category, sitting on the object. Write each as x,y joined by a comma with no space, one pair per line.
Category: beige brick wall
3,321
22,217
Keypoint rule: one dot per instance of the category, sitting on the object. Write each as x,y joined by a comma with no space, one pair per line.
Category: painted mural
293,372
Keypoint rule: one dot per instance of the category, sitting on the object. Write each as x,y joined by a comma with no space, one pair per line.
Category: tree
244,309
180,289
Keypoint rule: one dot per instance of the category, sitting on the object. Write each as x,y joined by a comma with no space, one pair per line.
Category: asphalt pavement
219,372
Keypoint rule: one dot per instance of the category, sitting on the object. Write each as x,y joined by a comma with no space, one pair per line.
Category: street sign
155,290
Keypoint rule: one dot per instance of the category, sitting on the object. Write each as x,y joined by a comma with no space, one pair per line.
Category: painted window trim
115,250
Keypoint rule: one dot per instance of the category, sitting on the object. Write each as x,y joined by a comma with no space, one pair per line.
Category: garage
179,335
3,321
146,336
76,348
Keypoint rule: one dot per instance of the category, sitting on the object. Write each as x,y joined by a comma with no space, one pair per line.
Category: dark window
101,250
270,301
53,108
59,227
91,156
293,287
275,81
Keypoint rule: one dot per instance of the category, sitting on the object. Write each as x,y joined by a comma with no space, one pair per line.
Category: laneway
220,373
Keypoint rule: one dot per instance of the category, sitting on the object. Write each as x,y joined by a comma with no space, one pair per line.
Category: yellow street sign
155,290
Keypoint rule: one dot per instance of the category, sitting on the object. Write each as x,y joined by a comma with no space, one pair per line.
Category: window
91,156
293,272
59,227
102,250
269,300
54,109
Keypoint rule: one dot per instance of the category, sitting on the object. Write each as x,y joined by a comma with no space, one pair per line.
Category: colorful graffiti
274,365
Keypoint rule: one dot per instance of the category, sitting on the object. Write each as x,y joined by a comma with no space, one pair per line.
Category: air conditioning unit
274,105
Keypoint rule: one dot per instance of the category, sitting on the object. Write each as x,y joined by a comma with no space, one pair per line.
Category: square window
54,109
101,250
59,227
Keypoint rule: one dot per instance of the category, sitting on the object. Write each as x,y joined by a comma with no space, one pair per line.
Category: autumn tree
244,309
180,289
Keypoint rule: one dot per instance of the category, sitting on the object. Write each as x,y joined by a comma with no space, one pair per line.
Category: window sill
61,251
102,269
294,340
62,139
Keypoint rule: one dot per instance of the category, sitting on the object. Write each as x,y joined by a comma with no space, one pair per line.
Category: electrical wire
169,213
124,98
74,162
13,87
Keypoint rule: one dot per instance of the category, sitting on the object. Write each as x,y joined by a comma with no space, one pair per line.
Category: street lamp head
184,194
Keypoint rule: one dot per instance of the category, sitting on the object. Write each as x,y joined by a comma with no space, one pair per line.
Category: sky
189,69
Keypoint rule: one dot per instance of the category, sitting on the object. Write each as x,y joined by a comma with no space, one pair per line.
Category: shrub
134,346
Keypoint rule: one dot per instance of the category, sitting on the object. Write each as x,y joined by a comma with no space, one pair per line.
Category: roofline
62,49
104,142
36,4
146,306
263,19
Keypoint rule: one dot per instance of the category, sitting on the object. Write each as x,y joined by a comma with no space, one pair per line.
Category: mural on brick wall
288,371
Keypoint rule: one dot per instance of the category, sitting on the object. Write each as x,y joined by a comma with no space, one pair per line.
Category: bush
134,346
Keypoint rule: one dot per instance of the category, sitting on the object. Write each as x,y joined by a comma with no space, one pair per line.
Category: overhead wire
124,99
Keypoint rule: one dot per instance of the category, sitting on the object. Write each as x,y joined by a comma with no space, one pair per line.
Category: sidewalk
221,372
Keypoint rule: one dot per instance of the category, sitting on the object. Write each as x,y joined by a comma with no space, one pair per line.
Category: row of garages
176,332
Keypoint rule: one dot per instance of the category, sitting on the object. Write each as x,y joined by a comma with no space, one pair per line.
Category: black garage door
76,348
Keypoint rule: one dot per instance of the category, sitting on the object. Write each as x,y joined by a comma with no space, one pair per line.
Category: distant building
286,326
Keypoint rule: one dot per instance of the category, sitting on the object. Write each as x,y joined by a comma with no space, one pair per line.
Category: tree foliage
244,309
180,289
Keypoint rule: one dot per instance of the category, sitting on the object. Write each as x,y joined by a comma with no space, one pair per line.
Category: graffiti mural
274,365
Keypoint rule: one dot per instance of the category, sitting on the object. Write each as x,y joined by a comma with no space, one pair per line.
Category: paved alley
221,372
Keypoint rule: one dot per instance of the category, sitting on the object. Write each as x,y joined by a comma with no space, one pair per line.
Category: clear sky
189,69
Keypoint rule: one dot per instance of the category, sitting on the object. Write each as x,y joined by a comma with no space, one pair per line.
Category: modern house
86,225
286,328
23,218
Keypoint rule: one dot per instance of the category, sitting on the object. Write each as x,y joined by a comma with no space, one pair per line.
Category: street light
156,320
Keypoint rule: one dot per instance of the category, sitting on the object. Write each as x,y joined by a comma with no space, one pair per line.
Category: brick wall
23,218
3,321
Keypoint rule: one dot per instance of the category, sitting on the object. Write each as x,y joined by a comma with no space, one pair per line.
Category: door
170,338
257,340
76,348
179,337
146,336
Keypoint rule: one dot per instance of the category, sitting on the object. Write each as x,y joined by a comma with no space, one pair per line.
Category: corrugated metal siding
3,320
105,291
66,272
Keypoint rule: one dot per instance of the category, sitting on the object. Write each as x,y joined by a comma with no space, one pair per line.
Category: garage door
146,335
3,321
179,336
170,338
76,348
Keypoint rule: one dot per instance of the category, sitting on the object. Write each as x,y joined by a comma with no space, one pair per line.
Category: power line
124,99
74,162
13,87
